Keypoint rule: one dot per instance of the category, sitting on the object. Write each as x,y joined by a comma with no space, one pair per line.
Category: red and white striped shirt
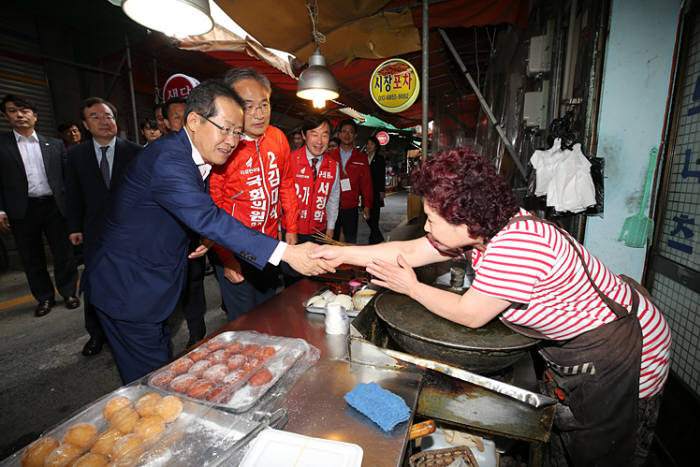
531,264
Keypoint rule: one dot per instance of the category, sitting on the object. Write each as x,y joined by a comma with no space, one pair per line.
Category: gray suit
32,217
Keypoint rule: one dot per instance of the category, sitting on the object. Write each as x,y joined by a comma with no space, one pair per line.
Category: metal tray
320,310
244,396
201,435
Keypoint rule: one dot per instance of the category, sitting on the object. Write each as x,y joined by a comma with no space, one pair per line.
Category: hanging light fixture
178,18
317,83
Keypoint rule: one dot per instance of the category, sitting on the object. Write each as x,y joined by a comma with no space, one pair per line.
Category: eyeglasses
251,108
223,129
95,117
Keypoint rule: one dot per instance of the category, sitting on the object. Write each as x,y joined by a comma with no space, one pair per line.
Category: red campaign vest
312,196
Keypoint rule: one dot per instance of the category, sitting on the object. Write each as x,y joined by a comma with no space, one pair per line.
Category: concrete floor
45,378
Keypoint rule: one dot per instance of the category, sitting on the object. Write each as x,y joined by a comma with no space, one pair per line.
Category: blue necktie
104,165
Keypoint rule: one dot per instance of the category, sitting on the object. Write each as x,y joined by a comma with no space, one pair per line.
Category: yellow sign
394,85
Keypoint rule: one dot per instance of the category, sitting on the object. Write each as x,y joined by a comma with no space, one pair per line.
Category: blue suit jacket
138,269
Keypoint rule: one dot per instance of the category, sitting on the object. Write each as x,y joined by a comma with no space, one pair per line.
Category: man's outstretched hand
299,258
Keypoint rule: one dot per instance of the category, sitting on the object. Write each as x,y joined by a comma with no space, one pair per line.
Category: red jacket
357,171
312,195
254,182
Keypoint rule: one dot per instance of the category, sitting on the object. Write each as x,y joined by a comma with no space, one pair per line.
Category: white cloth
30,150
565,177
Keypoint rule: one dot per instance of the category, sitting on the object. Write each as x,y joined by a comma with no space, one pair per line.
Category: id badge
344,184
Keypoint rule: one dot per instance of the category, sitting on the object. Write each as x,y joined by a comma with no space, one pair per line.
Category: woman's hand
401,278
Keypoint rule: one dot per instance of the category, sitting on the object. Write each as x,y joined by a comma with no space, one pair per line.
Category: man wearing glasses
93,171
256,187
138,271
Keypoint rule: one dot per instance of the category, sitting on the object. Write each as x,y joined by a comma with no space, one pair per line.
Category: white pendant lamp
317,83
178,18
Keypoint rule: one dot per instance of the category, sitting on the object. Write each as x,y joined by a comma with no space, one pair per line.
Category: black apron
597,374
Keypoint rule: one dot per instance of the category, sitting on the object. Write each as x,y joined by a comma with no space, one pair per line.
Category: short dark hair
66,126
464,188
348,121
201,99
20,102
236,74
160,106
151,122
171,101
313,121
335,140
90,101
375,141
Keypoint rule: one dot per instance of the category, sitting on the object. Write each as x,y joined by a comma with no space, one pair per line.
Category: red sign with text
382,137
178,85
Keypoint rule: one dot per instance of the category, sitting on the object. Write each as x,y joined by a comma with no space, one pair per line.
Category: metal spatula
639,228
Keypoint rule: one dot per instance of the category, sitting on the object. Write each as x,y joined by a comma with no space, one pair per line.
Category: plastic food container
232,370
318,301
200,435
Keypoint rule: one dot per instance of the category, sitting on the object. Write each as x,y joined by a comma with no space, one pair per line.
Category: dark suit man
137,273
93,171
32,203
377,169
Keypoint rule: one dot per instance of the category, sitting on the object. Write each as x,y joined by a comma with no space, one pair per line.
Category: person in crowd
174,113
377,168
297,141
316,180
160,118
605,344
256,187
334,143
92,174
33,203
193,299
70,133
137,272
149,129
355,179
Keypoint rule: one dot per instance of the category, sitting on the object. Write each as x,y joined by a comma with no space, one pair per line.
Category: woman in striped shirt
606,344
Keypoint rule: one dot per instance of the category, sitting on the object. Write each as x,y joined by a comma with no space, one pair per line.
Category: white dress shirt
110,153
205,169
30,150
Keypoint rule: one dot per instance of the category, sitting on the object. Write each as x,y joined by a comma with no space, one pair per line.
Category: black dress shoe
43,308
72,302
93,347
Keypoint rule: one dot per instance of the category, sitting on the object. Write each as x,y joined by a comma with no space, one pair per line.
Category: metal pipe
566,89
485,106
156,98
425,45
131,90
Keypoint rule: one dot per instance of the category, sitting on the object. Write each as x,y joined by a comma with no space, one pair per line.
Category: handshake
311,259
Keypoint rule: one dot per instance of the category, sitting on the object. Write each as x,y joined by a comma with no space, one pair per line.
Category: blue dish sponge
383,407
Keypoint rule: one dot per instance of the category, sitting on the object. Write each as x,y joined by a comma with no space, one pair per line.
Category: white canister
337,321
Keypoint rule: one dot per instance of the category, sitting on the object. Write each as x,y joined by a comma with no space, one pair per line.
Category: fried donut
198,368
82,435
115,405
105,441
169,408
200,388
63,455
181,365
37,452
261,377
149,427
124,420
182,382
145,404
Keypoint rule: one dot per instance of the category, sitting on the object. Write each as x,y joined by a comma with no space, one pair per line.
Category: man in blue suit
137,273
93,171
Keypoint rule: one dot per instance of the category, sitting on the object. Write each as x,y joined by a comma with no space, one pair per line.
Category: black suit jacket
13,177
87,195
377,169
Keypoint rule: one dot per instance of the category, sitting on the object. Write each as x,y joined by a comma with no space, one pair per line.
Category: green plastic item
639,229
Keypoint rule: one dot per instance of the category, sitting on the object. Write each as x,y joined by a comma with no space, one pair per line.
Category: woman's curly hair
464,188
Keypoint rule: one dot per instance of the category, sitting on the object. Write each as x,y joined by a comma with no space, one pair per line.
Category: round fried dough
145,404
38,451
124,420
63,455
105,441
91,460
115,405
169,408
82,435
149,427
130,446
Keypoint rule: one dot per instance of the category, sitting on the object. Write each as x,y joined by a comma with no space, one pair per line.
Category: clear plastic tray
199,436
236,393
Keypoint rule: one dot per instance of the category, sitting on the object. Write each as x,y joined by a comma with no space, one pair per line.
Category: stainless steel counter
315,404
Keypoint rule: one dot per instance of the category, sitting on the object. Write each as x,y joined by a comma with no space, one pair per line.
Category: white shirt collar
112,144
310,156
32,137
203,167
